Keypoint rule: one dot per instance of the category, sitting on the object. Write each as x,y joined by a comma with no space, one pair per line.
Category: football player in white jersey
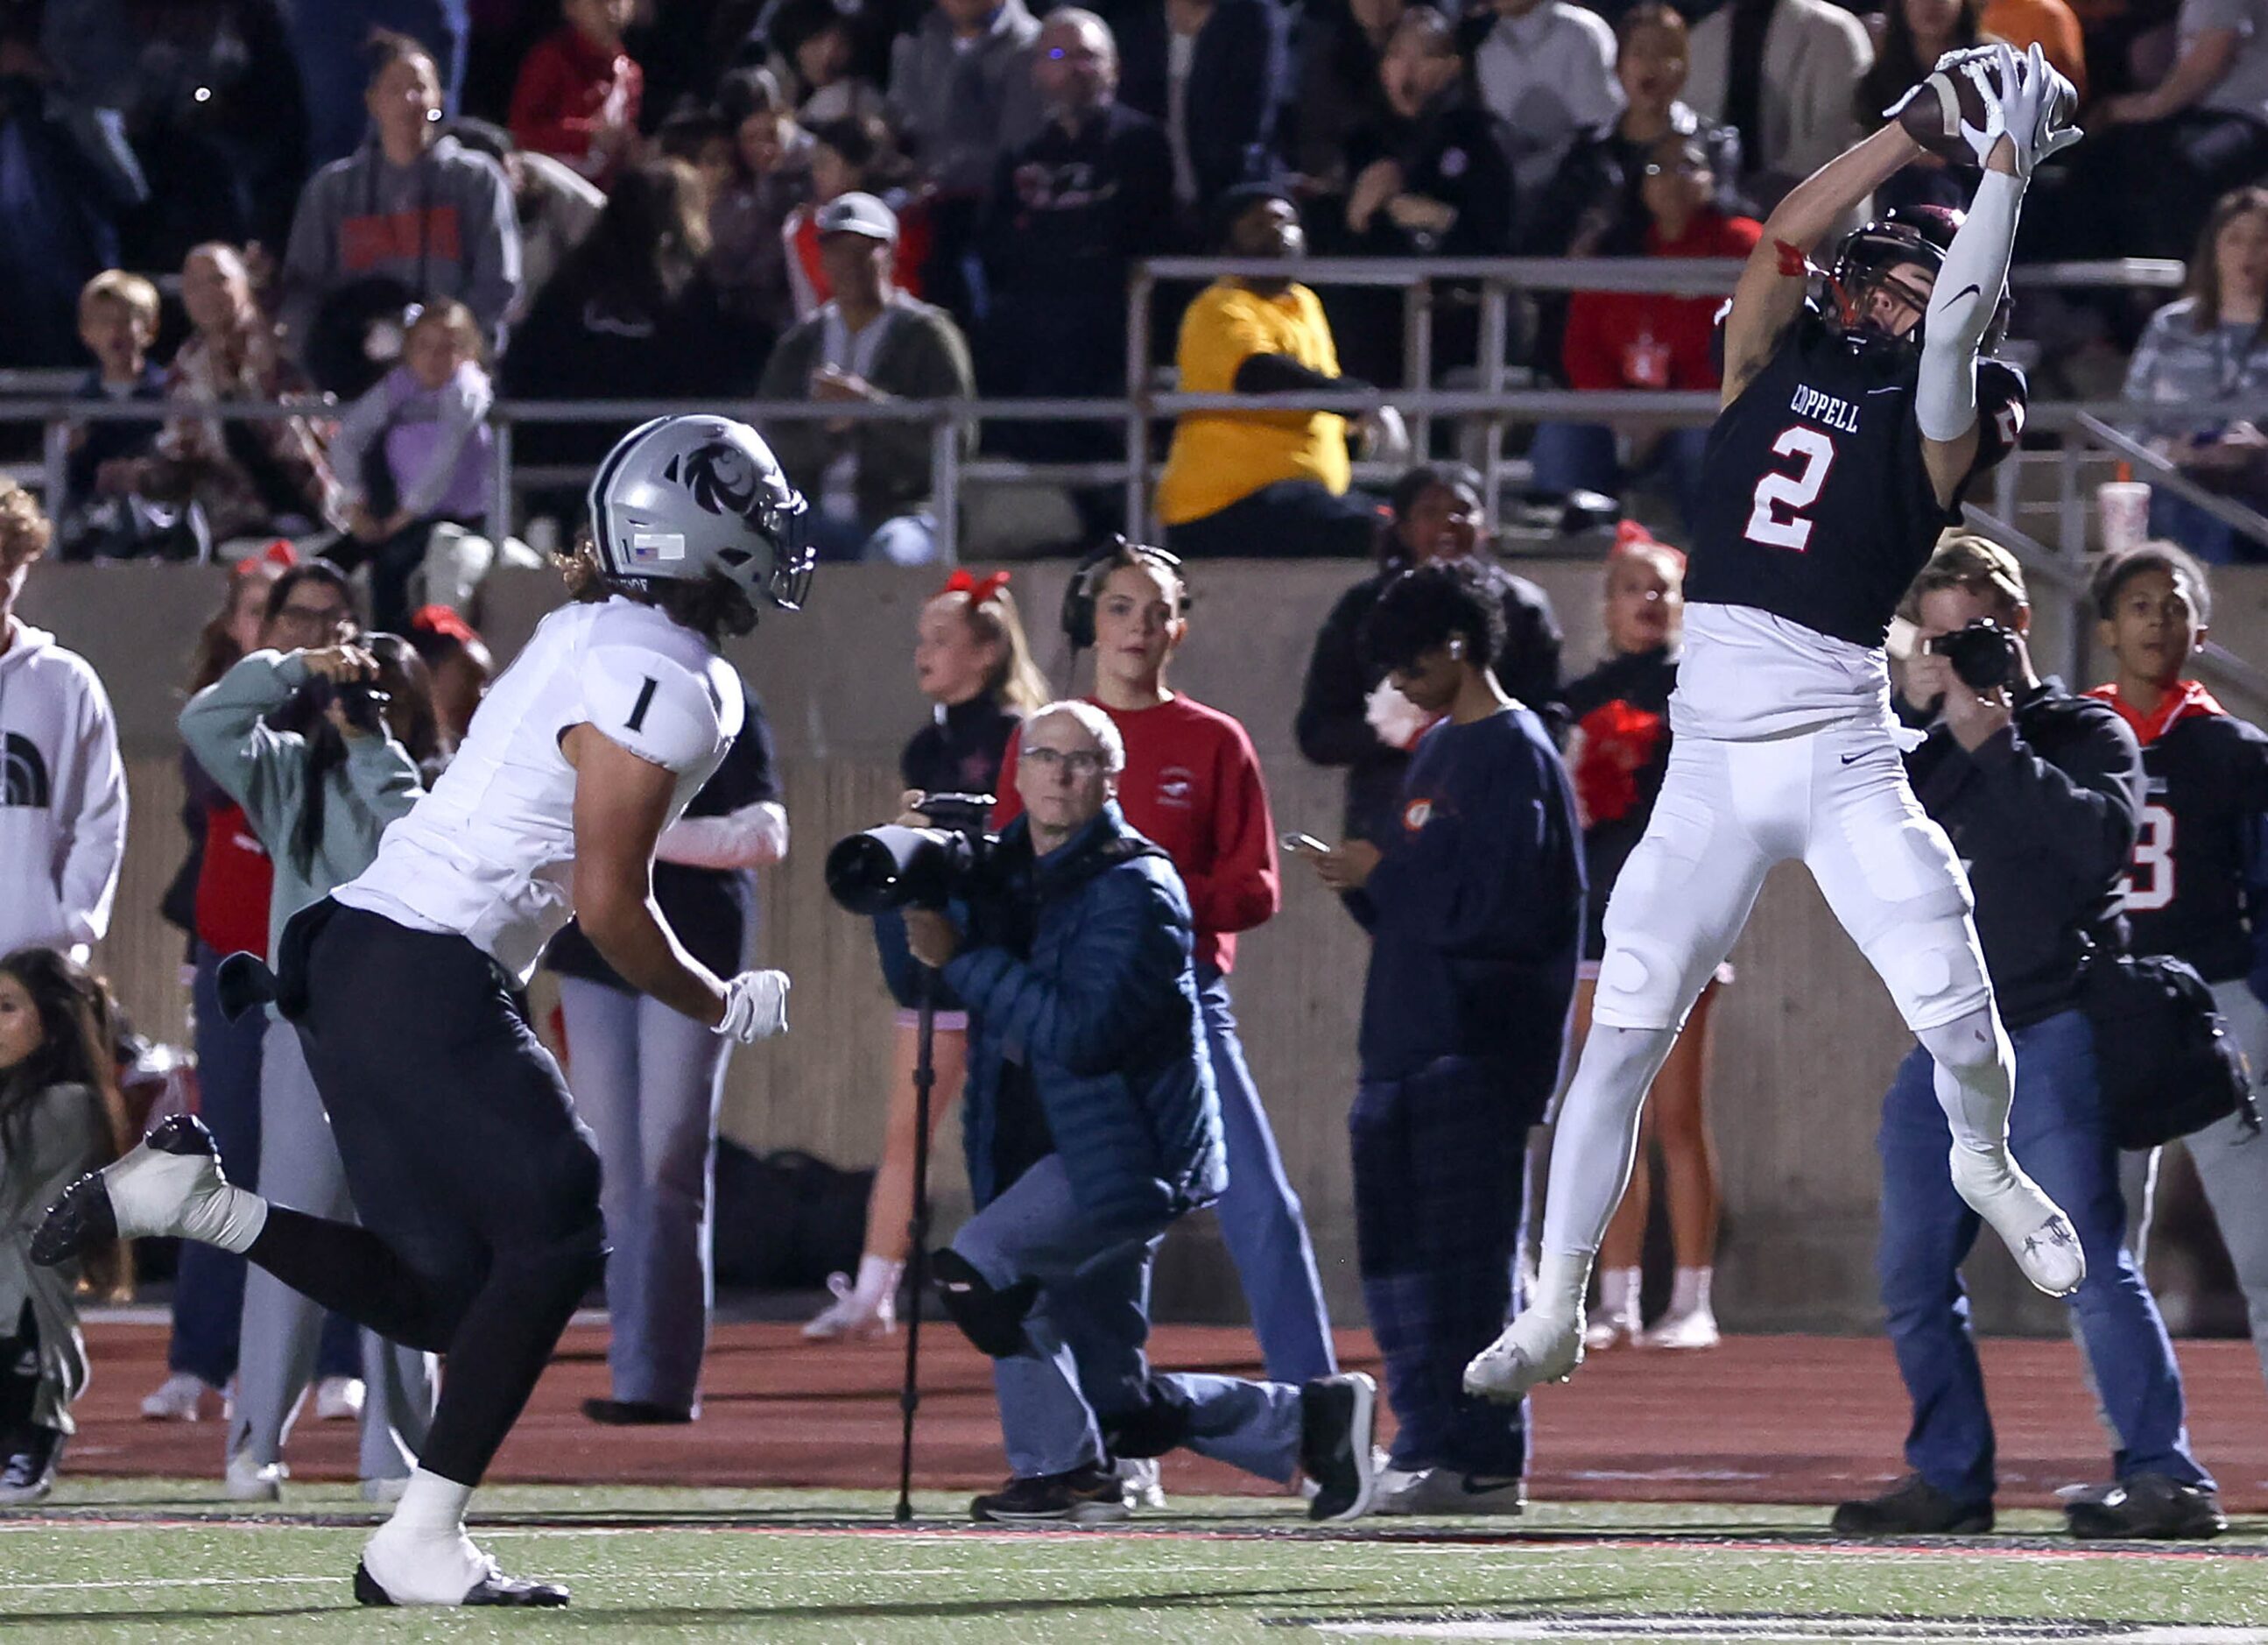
477,1185
1847,433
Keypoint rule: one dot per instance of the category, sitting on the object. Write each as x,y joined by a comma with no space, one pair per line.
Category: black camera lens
1982,654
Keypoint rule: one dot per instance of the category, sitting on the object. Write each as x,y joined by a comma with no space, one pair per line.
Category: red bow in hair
445,622
279,552
979,589
1630,535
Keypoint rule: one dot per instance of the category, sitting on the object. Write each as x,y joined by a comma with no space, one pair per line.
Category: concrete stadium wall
1806,1039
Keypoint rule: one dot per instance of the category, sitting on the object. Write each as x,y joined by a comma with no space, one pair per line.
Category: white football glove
2021,111
755,1007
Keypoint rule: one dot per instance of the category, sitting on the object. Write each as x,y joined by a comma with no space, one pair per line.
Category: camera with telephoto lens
1984,654
883,869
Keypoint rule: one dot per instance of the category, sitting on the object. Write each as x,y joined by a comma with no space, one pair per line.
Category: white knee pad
1933,967
1641,984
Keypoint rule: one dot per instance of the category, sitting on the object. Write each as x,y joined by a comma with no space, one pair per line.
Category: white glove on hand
1398,721
2021,111
755,1007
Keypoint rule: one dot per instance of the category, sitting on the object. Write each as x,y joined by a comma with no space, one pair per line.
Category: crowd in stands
637,197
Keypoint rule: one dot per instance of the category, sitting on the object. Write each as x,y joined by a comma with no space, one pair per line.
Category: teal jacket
265,771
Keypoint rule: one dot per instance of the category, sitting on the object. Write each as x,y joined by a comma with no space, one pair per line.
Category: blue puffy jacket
1104,1017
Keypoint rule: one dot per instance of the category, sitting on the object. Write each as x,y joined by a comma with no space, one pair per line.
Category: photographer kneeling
2041,792
1091,1125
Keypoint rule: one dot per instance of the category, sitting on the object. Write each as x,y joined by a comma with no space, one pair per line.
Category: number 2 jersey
2206,775
488,854
1816,514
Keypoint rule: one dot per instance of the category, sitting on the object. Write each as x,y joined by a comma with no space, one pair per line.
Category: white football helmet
682,497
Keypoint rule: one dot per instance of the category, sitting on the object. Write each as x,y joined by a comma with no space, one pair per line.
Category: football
1950,99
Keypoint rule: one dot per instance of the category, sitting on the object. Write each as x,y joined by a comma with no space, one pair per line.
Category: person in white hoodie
62,790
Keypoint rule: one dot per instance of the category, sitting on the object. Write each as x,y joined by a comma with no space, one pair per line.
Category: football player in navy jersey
478,1184
1850,430
2189,892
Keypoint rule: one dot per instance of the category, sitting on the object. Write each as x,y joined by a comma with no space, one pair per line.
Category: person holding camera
2188,891
1092,1126
323,746
2040,792
1474,907
478,1184
1192,784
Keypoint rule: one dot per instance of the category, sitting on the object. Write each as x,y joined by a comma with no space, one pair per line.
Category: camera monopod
917,1265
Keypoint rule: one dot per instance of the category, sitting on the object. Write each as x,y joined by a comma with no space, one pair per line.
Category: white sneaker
1536,1347
250,1480
338,1399
851,1316
176,1399
1695,1330
1611,1330
170,1182
1144,1485
2032,1226
1448,1492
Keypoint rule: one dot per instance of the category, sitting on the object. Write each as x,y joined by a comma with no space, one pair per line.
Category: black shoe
1912,1508
635,1412
2148,1507
1085,1496
86,1217
495,1588
30,1473
1338,1421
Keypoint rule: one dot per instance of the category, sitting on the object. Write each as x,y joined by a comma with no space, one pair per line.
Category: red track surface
1760,1419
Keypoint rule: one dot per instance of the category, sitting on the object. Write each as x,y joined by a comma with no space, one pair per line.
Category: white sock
1618,1289
431,1506
1561,1285
878,1278
1689,1293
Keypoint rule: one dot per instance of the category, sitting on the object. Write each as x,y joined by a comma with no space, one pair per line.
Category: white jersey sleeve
654,706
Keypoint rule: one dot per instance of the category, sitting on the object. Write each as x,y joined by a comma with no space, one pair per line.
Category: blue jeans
1083,1364
2056,1129
1581,456
1261,1220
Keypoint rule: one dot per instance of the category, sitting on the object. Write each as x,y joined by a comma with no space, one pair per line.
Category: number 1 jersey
1817,515
2206,777
490,854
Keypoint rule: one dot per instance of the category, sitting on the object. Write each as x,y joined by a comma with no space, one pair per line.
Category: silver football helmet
682,497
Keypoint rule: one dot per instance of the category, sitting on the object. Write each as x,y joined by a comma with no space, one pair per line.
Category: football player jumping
1849,429
477,1185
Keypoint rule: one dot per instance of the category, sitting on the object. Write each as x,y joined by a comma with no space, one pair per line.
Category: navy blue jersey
1818,506
2188,891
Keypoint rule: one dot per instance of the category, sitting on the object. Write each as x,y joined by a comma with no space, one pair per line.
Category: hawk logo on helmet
721,478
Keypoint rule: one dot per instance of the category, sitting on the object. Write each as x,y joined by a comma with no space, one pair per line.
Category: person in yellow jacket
1265,484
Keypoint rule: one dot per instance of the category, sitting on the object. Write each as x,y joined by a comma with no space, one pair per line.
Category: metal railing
1495,401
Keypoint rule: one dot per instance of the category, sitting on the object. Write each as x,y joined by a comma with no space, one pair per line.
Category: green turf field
156,1560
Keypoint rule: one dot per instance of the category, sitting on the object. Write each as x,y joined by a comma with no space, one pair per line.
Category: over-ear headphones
1088,577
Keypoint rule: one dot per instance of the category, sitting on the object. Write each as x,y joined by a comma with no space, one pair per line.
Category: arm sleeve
652,706
1960,308
463,404
1333,727
2085,809
98,831
1245,888
754,836
1113,983
383,776
224,729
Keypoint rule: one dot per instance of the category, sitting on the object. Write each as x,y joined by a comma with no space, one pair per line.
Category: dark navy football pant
1440,1187
477,1186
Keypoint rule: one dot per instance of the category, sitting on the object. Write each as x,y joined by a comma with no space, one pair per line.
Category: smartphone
1304,843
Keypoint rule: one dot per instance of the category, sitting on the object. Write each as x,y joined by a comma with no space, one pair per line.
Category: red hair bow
979,589
279,552
443,621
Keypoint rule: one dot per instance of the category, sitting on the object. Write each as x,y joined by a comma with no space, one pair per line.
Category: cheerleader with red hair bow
1617,753
972,661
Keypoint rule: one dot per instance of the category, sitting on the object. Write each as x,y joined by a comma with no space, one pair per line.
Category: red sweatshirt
1192,785
1643,339
570,90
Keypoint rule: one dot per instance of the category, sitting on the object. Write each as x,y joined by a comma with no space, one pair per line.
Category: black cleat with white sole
85,1219
493,1589
1338,1424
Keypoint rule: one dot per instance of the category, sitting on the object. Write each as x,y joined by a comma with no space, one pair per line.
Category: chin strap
1961,305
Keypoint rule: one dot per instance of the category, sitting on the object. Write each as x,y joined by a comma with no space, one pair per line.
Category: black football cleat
172,1173
493,1589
